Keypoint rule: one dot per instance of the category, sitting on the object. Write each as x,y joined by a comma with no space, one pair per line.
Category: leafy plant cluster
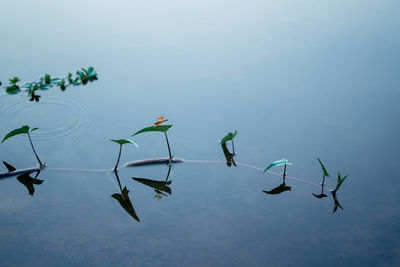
83,76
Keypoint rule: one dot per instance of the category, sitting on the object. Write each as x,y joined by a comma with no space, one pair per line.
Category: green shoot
278,163
24,130
122,142
229,137
158,128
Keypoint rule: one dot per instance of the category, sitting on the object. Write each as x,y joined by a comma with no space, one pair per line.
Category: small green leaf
29,85
47,79
76,81
44,86
90,69
230,136
161,128
326,174
278,163
13,89
125,141
22,130
14,80
34,129
56,80
340,181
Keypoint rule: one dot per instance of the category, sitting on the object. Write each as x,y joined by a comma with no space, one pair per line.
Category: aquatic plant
279,163
46,82
325,174
122,142
340,180
229,137
24,130
158,128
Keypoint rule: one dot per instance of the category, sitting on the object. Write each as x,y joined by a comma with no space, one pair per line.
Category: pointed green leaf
22,130
160,128
90,69
326,174
125,141
230,136
278,163
340,181
34,129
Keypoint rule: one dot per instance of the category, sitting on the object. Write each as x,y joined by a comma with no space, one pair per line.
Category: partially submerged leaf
13,89
326,174
23,130
228,137
161,128
278,163
125,141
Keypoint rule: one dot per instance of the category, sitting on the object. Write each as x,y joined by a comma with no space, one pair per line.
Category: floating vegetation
83,76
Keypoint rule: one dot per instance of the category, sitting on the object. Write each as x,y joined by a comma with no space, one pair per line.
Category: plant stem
233,148
30,140
323,181
119,155
169,149
284,174
119,182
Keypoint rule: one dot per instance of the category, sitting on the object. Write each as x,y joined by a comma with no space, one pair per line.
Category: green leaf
29,85
23,130
47,79
90,69
76,81
125,141
13,89
160,128
230,136
278,163
56,80
326,174
340,181
14,80
34,129
44,86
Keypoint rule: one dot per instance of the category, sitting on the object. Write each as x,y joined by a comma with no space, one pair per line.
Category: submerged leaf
278,163
125,141
23,130
160,128
326,174
228,137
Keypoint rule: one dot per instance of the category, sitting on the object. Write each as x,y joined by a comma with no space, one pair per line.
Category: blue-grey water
298,79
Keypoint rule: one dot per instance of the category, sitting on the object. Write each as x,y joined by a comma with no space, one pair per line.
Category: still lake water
297,79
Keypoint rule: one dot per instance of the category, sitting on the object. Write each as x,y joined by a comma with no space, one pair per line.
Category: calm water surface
297,79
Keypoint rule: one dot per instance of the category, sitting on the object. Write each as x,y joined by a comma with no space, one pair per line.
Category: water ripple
59,119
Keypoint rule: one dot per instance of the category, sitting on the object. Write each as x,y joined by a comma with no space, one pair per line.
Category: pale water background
297,79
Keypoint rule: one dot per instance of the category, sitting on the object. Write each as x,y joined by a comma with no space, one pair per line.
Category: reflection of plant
24,130
229,137
158,128
46,82
340,180
122,142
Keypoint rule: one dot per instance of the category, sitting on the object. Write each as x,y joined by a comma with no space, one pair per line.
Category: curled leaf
125,141
278,163
230,136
